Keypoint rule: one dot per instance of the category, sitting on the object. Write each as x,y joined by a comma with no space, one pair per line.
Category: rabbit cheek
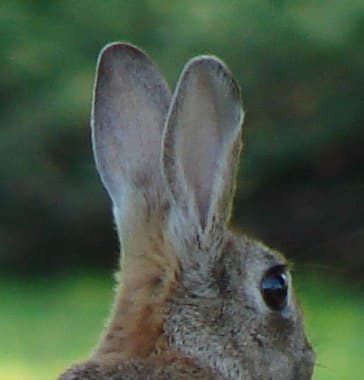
290,343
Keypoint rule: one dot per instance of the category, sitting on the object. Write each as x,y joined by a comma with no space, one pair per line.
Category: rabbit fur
189,301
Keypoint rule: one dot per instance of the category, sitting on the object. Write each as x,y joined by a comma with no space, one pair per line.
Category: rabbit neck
147,278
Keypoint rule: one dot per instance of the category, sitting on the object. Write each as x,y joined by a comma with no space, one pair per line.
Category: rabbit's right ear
131,100
202,141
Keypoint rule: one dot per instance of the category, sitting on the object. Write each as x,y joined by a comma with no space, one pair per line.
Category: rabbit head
189,287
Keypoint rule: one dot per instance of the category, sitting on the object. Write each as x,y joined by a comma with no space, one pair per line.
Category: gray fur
131,100
174,232
201,136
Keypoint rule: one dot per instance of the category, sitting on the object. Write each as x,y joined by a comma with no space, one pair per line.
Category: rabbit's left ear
202,142
131,100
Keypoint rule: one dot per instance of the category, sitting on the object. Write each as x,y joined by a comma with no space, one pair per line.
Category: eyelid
279,267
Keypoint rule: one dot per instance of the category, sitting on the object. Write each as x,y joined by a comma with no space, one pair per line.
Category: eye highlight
274,287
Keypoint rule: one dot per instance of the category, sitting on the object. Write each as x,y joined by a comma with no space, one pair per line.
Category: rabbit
194,300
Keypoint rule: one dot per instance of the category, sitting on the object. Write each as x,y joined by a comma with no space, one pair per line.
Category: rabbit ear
202,141
130,103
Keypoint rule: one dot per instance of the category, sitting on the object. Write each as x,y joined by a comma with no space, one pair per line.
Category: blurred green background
301,68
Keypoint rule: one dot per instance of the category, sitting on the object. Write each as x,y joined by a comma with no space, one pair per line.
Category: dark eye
274,288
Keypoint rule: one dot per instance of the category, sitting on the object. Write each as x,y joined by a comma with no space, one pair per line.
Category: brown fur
136,327
189,303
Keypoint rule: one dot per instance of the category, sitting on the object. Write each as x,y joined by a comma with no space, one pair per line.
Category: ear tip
217,69
119,51
120,47
208,60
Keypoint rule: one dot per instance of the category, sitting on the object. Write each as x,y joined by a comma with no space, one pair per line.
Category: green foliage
38,321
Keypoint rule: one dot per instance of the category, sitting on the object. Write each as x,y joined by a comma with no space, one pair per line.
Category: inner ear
130,105
201,141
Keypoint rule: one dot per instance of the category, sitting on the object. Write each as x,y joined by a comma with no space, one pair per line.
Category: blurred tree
301,67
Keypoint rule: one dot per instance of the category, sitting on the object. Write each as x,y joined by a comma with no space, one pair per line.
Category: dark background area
301,69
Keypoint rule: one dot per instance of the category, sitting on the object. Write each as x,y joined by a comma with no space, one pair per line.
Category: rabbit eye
274,288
